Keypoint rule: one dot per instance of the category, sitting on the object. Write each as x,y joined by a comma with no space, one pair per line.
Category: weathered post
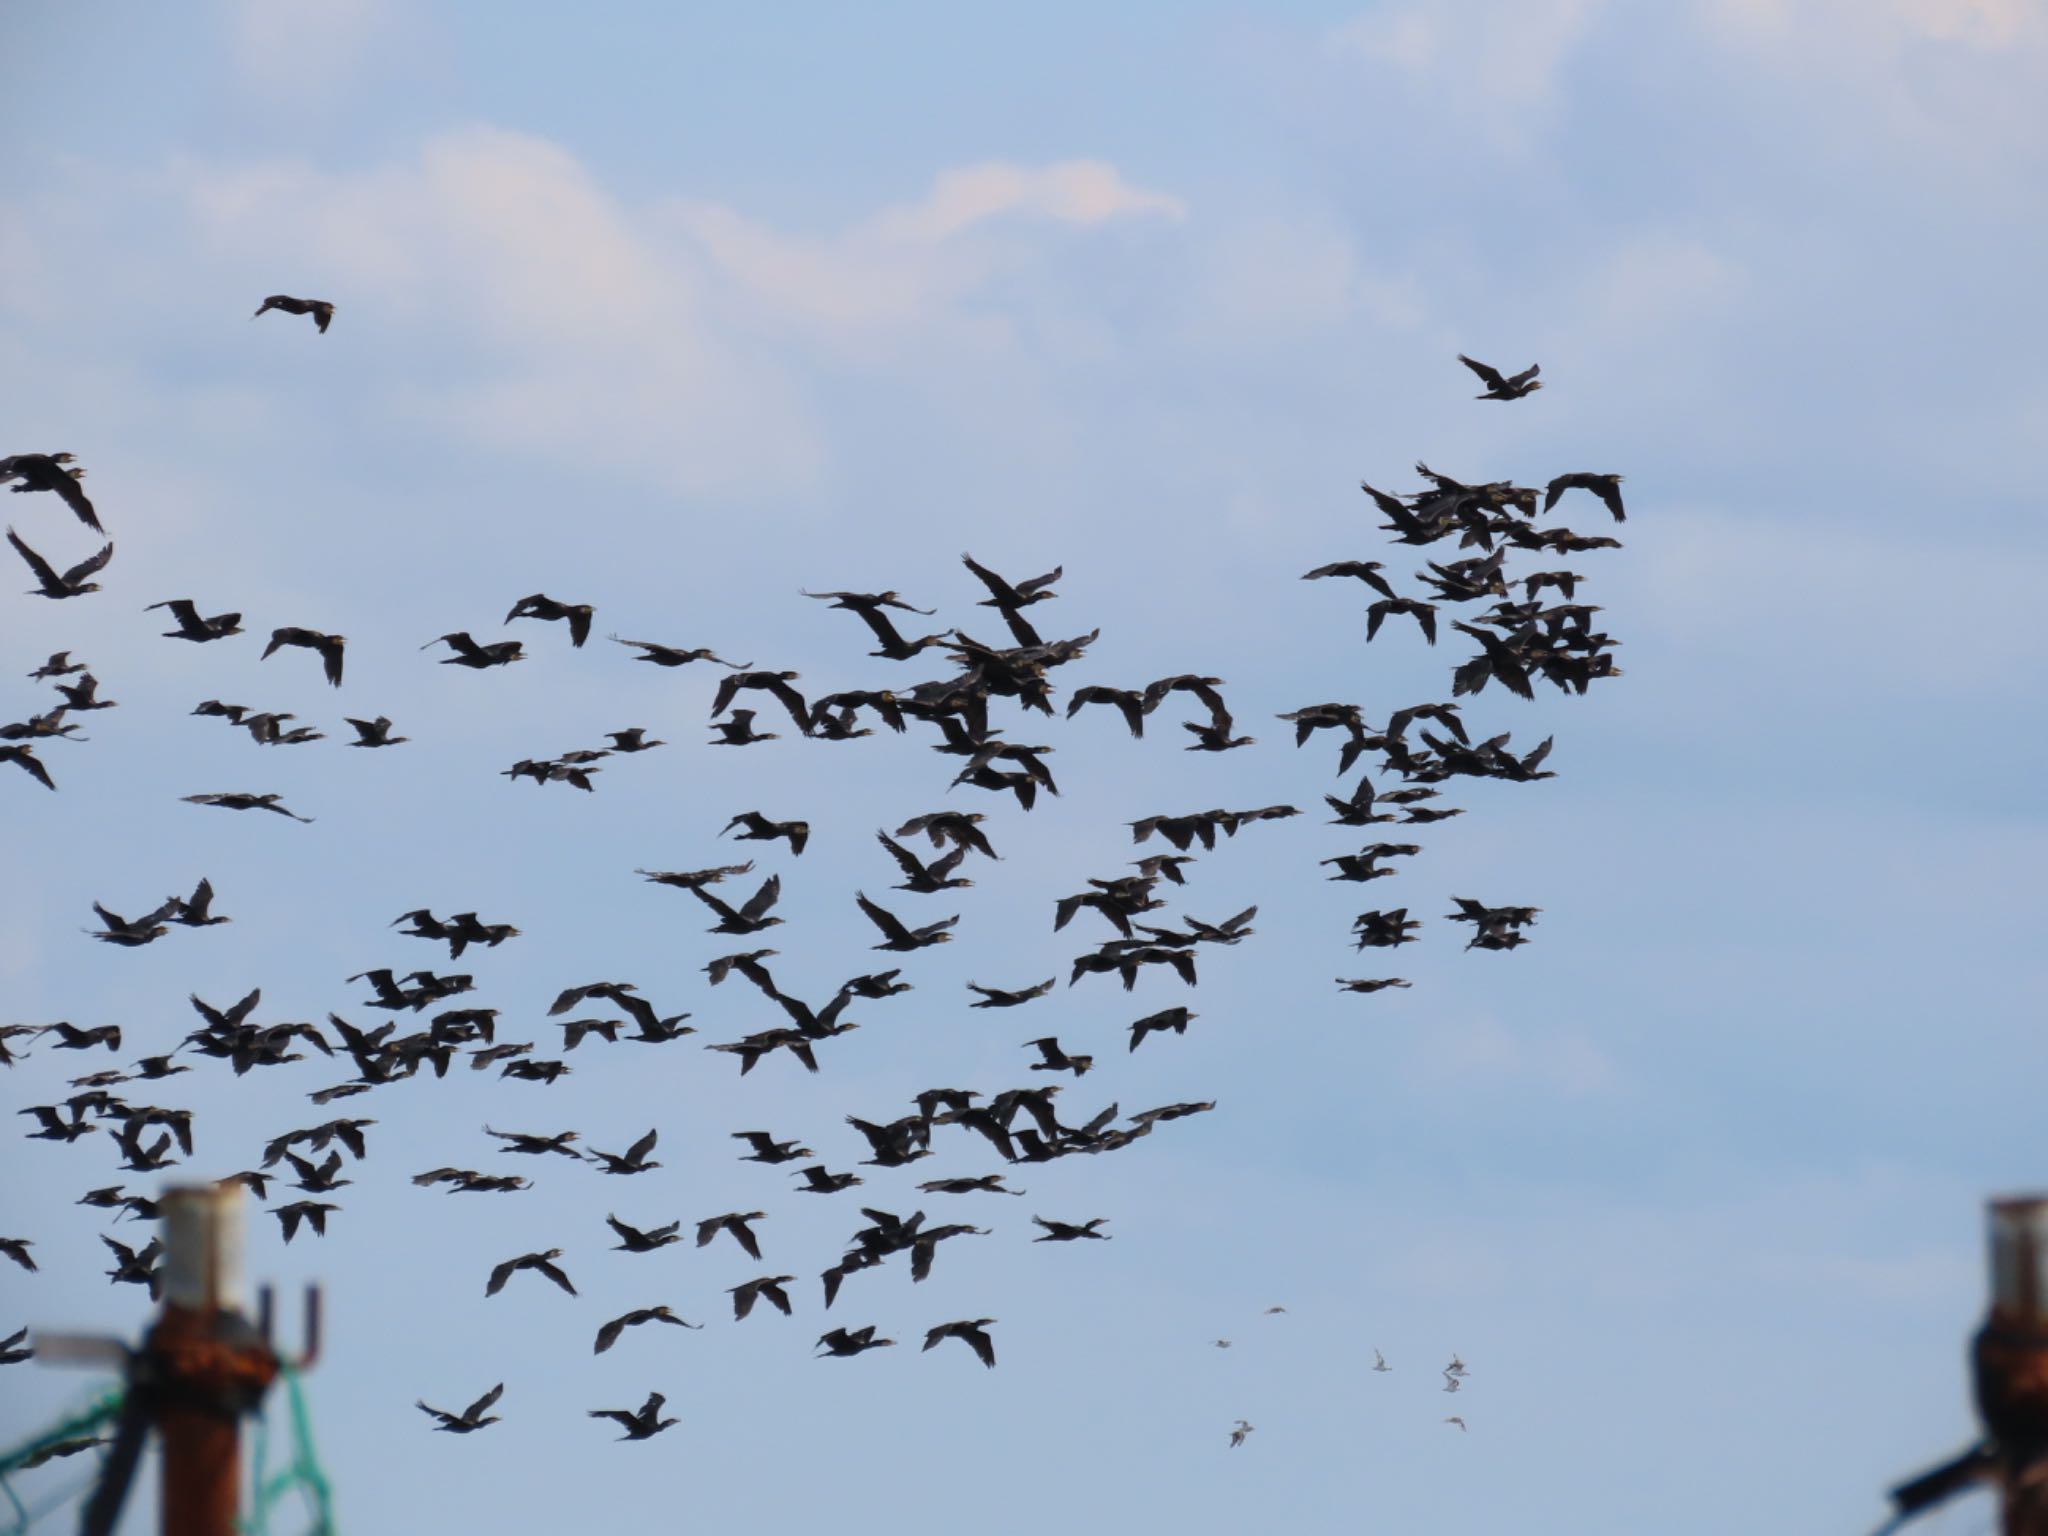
206,1362
2010,1356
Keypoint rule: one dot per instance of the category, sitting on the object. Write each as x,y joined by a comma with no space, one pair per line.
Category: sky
678,312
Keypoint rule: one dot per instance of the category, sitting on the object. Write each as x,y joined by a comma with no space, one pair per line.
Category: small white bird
1454,1419
1379,1362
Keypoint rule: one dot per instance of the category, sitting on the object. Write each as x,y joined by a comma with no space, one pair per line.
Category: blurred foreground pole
202,1367
2011,1361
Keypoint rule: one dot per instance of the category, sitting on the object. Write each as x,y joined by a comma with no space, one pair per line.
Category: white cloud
1502,57
1977,23
579,324
911,260
289,49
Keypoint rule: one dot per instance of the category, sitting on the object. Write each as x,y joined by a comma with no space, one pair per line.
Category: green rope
82,1422
304,1471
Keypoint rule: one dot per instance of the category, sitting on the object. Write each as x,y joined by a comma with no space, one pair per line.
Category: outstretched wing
892,929
44,572
483,1404
758,904
1490,377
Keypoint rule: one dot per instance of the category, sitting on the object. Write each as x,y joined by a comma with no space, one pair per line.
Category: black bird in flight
926,879
311,1211
500,653
60,664
192,627
330,647
671,656
759,829
1368,986
608,1335
541,1263
643,1425
1067,1232
817,1179
24,757
768,1150
1056,1059
735,1222
766,1286
896,936
972,1333
1501,386
996,997
752,917
1606,487
471,1418
541,606
633,1161
242,802
47,472
321,311
71,583
775,683
843,1344
1367,571
634,1240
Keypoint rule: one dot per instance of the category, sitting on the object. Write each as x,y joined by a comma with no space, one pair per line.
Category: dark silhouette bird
70,1038
634,1159
759,829
633,740
60,664
136,1266
1385,930
734,1222
1128,701
330,647
670,656
471,1418
1423,613
196,910
321,311
768,1287
374,733
14,1348
541,606
817,1179
972,1333
192,627
842,1343
500,653
986,1184
868,607
17,1249
71,583
774,683
1175,1019
634,1240
942,827
1366,986
642,1425
1067,1232
1239,1434
1367,571
541,1263
1057,1060
608,1335
313,1212
536,1146
136,932
1008,597
895,936
48,472
995,997
1500,386
768,1150
84,694
749,918
24,757
737,730
921,878
1606,487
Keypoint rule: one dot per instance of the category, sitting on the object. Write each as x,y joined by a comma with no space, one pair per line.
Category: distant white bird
1379,1362
1454,1419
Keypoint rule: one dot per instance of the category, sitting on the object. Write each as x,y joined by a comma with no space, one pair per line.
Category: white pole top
202,1263
2019,1260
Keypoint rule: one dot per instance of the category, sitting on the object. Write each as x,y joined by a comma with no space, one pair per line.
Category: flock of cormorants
1520,639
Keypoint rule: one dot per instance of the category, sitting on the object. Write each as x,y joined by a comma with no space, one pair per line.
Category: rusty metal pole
2010,1358
207,1364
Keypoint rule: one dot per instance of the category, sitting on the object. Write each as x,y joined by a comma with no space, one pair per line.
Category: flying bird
972,1333
244,802
71,583
1500,386
48,472
608,1335
468,653
540,1263
321,311
670,656
641,1425
330,647
192,627
471,1418
541,606
1606,487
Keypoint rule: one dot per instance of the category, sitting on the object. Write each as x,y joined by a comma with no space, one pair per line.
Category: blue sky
677,312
